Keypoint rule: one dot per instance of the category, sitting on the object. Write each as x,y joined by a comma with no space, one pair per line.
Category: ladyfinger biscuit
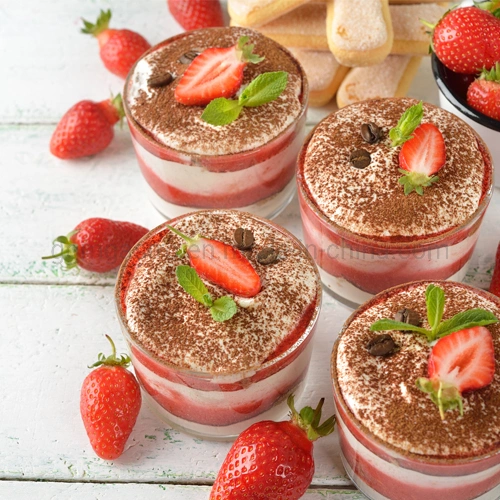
410,35
303,27
391,78
253,13
359,31
323,72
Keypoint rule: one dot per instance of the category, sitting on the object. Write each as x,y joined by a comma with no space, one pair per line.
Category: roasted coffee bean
408,316
381,345
188,57
243,238
160,80
371,132
267,256
360,158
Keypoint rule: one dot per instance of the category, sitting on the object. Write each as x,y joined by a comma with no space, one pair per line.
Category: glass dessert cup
353,268
452,97
259,180
219,405
382,471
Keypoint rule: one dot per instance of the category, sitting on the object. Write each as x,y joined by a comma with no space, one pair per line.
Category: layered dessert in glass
396,442
364,230
214,378
189,164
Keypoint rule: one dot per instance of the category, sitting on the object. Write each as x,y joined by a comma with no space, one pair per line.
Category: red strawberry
221,264
272,459
421,157
495,281
462,361
484,93
119,49
110,401
98,245
216,72
467,39
194,14
86,128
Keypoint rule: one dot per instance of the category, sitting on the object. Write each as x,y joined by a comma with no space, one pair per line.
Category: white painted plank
49,335
24,490
43,197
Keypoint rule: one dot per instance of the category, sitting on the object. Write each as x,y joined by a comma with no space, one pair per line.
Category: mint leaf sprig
435,301
221,309
265,88
408,122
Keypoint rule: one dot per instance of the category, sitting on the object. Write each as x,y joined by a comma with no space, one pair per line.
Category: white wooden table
53,323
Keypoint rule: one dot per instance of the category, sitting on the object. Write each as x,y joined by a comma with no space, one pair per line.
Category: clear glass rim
339,399
391,245
210,375
137,128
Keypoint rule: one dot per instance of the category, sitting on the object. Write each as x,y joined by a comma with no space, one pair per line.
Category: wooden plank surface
81,491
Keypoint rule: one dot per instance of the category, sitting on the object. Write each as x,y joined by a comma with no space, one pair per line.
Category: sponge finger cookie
324,74
256,12
359,32
391,78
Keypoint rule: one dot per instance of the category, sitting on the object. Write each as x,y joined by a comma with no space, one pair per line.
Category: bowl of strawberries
466,66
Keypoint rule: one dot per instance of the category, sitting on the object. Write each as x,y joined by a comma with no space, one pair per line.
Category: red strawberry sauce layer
179,349
358,223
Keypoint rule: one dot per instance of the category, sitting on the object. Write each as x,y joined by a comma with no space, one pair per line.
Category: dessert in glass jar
417,393
220,326
211,125
392,191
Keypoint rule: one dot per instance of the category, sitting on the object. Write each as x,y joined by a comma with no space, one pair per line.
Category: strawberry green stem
309,420
443,394
101,25
187,239
111,360
68,252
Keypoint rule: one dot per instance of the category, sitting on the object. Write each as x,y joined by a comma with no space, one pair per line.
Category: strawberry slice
216,72
221,264
421,157
483,93
462,361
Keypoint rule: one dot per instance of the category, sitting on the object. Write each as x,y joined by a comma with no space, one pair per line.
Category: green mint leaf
434,298
408,122
223,308
207,300
466,319
383,325
221,111
265,88
189,280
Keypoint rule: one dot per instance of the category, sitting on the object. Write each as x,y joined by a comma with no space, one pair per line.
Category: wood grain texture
81,491
49,336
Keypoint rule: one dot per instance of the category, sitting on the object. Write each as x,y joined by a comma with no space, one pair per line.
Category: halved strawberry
462,361
221,264
216,72
483,93
421,157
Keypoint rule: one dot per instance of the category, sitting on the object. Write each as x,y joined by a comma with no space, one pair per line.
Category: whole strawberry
467,39
495,280
119,49
86,128
195,14
272,459
98,244
109,404
483,93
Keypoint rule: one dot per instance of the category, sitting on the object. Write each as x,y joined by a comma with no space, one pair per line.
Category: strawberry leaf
245,51
408,122
265,88
189,280
444,395
221,111
223,308
466,319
